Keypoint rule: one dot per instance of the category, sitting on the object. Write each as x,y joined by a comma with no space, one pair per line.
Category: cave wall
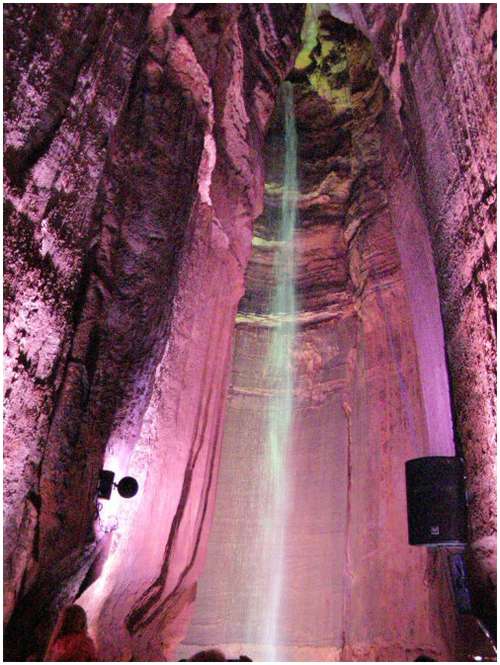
439,64
124,270
366,398
60,102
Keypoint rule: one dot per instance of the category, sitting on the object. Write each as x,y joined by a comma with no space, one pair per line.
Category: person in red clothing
72,643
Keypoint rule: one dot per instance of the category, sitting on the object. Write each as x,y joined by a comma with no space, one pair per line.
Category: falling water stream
274,495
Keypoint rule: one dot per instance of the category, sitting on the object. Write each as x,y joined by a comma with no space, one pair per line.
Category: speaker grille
435,493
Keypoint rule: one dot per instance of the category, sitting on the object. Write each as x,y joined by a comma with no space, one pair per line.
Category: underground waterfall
253,617
278,432
263,359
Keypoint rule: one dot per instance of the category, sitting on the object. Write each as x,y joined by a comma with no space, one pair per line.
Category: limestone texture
353,589
133,175
439,64
142,159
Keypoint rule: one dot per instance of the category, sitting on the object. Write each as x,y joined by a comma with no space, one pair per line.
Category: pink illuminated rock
131,206
138,230
353,588
439,64
62,106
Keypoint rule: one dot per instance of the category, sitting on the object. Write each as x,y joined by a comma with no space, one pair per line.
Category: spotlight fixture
127,487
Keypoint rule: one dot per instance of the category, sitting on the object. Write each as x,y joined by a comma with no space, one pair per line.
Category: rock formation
439,65
137,141
353,588
134,172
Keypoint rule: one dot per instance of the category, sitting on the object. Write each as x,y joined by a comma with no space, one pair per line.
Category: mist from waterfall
274,490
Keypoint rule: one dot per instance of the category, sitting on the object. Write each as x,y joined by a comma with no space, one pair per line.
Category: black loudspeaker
435,495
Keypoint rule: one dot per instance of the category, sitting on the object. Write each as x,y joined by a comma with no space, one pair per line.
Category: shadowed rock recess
143,179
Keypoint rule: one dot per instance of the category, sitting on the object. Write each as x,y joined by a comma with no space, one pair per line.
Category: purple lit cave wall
153,155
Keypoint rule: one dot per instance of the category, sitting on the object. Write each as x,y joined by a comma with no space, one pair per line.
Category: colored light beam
279,416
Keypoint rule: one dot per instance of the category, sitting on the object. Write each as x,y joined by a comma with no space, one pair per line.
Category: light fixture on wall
127,487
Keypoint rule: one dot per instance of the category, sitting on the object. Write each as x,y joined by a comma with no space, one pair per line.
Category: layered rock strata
134,139
61,103
439,64
353,588
133,176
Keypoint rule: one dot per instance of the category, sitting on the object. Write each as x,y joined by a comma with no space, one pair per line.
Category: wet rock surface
439,65
137,139
353,589
61,103
133,176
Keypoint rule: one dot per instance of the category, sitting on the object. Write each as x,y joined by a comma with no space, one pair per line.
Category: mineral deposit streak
279,417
